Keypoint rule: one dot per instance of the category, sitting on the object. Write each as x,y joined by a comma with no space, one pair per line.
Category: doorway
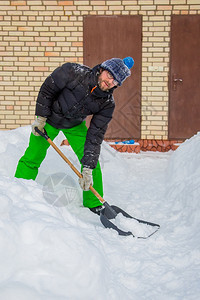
105,37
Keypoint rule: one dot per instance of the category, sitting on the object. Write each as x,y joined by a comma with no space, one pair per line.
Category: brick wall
37,36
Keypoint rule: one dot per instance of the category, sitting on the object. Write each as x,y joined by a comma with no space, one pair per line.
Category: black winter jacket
68,96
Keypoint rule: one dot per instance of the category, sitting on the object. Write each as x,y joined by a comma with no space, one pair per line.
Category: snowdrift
51,247
183,186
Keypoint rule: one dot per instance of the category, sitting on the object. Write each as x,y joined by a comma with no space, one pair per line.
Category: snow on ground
51,247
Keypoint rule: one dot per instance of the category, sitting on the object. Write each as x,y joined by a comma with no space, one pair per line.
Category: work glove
39,123
86,180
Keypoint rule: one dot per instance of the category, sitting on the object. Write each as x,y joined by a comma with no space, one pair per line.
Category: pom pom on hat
129,62
120,69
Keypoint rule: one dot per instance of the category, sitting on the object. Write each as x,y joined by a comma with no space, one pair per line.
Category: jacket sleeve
51,87
95,135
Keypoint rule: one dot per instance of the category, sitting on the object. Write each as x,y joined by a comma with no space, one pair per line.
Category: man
66,98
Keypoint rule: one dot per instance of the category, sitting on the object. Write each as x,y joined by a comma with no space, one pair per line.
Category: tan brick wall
37,36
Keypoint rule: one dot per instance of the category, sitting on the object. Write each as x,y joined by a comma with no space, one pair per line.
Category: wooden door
118,36
184,79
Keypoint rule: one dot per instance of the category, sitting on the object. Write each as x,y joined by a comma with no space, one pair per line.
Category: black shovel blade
110,212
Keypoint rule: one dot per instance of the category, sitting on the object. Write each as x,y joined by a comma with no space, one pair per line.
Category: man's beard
104,85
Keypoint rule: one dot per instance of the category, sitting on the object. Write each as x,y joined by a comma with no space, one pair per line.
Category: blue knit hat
119,68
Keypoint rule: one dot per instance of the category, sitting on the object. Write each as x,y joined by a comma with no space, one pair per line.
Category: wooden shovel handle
68,162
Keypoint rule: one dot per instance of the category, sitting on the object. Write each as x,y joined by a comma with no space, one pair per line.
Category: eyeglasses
109,75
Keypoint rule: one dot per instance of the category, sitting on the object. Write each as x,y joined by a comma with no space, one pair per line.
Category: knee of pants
36,151
98,168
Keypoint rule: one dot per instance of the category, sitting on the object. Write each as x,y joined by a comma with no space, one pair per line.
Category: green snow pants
29,163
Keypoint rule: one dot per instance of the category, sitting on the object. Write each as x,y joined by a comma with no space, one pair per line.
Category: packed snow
136,227
51,247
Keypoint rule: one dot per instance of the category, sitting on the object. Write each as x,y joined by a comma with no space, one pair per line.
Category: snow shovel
108,212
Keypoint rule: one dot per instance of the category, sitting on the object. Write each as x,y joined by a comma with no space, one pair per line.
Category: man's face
106,80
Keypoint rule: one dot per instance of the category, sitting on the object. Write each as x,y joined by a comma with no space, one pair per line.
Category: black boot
97,209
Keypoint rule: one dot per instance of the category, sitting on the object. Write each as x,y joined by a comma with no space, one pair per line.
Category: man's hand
86,180
40,123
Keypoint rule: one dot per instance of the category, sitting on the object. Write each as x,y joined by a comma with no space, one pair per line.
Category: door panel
184,80
118,36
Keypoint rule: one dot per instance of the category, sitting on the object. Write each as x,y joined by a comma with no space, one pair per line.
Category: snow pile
184,166
60,250
184,186
40,250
